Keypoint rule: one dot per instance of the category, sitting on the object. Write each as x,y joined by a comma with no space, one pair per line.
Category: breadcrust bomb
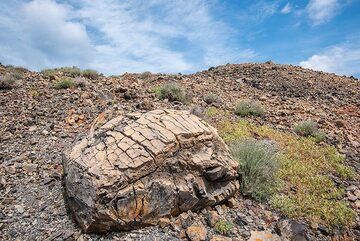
140,167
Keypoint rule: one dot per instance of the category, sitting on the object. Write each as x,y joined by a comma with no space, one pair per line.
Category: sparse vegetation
211,111
71,72
17,69
7,81
258,165
305,189
309,129
48,72
145,75
90,74
212,99
34,93
247,108
224,227
171,91
65,83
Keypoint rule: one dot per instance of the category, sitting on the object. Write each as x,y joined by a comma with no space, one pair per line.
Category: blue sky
116,36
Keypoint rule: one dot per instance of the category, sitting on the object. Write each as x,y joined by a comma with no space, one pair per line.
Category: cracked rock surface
138,168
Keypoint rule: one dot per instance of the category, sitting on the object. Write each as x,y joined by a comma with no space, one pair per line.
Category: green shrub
90,74
65,83
17,69
309,129
48,72
145,75
172,92
212,99
70,71
224,227
258,165
247,108
7,82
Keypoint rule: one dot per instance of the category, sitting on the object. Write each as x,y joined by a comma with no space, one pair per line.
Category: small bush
172,92
70,71
7,82
258,165
247,108
90,74
65,83
48,72
17,70
211,111
145,75
224,227
212,99
309,129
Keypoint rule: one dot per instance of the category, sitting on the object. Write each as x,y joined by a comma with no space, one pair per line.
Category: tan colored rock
220,238
263,235
163,222
212,218
196,232
138,168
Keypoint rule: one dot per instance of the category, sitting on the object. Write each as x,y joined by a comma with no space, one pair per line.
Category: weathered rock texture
140,167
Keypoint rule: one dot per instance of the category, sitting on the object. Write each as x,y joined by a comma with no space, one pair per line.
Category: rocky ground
37,122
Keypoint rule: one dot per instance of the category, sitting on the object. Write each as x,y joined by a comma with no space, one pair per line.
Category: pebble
19,209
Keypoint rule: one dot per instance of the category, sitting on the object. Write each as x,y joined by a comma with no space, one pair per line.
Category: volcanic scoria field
293,135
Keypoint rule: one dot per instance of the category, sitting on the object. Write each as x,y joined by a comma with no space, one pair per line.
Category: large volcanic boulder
138,168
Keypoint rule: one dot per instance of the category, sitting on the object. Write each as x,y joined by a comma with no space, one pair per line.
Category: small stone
357,193
45,132
232,202
351,188
249,219
19,209
163,222
220,238
212,218
219,209
32,128
323,230
29,167
185,219
263,98
352,198
263,235
196,232
340,123
357,204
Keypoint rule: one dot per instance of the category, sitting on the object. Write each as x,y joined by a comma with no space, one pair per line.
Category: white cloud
342,59
321,11
116,36
286,9
40,33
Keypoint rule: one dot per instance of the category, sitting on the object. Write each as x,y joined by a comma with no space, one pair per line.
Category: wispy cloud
117,36
340,59
259,10
321,11
286,9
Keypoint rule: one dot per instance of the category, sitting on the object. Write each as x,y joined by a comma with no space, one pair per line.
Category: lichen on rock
140,167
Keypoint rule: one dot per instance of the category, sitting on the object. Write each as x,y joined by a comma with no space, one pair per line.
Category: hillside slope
38,121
